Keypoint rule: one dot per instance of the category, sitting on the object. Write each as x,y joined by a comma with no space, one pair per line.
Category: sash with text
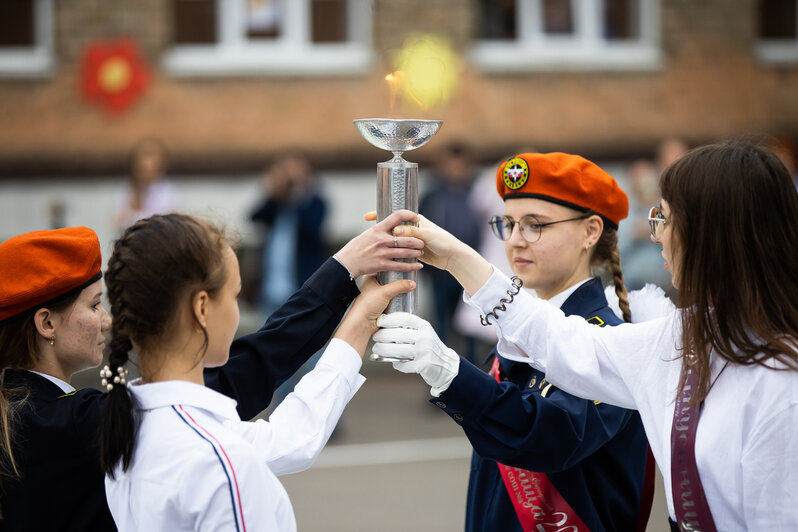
689,501
538,504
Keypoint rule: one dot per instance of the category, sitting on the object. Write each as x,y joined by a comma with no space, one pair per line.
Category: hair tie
119,378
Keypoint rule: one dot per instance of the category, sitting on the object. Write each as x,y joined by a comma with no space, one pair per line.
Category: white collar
167,393
65,386
560,298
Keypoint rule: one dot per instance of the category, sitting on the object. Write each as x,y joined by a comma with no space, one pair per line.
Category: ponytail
119,421
154,266
607,252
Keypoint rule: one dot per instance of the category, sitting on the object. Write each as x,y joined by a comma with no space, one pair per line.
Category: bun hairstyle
157,265
574,182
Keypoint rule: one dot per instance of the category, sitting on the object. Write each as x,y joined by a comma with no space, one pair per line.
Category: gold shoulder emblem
595,320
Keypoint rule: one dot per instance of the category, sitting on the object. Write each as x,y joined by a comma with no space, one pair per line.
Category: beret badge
516,173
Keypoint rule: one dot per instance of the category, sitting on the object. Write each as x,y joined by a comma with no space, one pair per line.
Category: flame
393,81
397,82
427,70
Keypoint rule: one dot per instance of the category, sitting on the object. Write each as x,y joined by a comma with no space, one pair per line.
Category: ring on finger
395,241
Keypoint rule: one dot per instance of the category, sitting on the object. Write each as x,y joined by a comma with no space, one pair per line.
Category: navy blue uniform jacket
594,454
62,486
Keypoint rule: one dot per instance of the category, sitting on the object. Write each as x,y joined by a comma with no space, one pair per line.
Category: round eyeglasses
529,226
656,222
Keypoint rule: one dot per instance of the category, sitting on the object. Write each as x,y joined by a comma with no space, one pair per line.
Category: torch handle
397,188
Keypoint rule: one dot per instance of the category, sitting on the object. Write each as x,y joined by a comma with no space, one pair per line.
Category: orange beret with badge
43,267
565,179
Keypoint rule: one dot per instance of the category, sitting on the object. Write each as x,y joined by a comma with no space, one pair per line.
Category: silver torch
397,181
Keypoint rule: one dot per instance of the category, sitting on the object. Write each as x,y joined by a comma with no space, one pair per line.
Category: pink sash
689,501
538,504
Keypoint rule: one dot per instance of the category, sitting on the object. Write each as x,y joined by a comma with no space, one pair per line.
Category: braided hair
155,266
607,252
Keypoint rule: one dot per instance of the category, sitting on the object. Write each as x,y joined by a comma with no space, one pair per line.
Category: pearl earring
51,341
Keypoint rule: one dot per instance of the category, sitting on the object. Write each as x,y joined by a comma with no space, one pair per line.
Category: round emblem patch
516,172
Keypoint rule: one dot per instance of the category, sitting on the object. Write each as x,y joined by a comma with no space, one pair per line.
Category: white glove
406,336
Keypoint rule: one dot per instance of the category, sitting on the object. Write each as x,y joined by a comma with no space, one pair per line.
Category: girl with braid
176,454
715,380
53,325
542,455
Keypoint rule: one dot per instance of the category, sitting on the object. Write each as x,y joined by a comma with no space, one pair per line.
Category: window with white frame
518,35
290,37
26,38
777,31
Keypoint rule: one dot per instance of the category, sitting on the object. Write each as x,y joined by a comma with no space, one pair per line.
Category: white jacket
197,466
747,436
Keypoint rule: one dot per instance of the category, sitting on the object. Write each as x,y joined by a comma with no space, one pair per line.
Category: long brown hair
157,265
733,213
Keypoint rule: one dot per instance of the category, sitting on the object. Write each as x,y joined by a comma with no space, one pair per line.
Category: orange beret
565,179
44,266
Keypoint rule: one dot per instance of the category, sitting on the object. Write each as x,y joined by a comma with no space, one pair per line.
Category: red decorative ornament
113,74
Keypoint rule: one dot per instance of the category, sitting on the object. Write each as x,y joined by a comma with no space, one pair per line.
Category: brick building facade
699,74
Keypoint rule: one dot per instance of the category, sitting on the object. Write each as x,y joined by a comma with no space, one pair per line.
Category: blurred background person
292,213
784,148
669,151
148,191
447,204
642,262
484,204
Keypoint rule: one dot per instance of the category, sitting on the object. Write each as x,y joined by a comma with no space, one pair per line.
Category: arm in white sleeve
769,466
599,363
300,426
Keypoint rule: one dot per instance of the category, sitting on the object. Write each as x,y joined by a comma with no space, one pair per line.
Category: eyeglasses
529,226
656,222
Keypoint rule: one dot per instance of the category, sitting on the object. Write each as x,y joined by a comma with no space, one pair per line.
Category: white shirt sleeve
600,363
296,432
769,466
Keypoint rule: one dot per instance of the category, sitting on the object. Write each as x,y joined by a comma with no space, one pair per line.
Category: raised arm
444,251
546,434
301,425
261,361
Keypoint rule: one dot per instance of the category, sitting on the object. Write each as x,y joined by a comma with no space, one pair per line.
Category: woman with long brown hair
715,382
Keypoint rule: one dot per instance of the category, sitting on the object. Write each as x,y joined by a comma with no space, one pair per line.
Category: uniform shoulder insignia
595,320
597,402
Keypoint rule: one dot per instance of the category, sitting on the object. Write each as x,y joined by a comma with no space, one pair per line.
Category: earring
51,341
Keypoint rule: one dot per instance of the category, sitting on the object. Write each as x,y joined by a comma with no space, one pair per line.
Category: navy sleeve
261,361
529,431
265,212
311,215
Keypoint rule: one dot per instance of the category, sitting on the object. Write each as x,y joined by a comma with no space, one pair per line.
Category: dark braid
119,420
155,266
607,252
